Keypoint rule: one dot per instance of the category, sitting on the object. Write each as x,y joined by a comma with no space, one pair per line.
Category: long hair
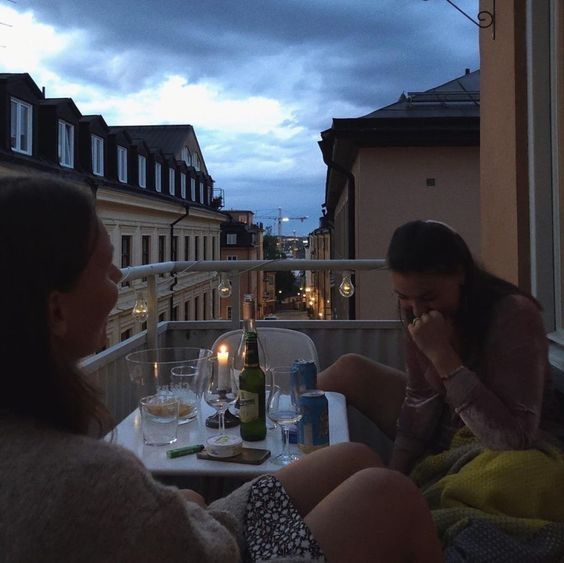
432,247
48,230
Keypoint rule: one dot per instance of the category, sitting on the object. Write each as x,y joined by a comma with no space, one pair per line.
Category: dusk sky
258,79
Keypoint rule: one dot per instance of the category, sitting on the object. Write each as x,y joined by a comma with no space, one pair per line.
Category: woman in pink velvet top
476,353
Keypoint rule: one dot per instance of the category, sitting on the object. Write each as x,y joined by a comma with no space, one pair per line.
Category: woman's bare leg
374,389
375,515
312,478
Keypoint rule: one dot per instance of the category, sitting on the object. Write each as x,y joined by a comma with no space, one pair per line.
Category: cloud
258,79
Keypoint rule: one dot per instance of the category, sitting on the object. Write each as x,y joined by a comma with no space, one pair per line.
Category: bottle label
248,406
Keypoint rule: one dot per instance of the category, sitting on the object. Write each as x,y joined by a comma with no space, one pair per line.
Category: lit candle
156,374
223,367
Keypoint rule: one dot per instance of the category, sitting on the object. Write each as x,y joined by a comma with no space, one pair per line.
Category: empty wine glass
221,389
283,407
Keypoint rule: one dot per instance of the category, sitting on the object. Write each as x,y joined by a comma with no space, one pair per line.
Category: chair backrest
282,345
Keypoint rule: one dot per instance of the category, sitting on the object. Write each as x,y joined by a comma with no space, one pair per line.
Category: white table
195,432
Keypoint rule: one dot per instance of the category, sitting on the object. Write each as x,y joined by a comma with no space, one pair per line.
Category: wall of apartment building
250,282
194,295
503,134
391,189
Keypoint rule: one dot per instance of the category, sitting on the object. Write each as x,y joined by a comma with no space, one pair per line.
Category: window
430,182
158,176
171,179
125,334
142,171
20,126
97,155
197,309
196,161
196,248
186,156
66,144
201,192
231,238
205,248
174,313
205,306
214,249
174,248
546,154
162,317
125,254
193,189
162,251
183,185
122,164
186,248
187,310
232,258
229,312
145,249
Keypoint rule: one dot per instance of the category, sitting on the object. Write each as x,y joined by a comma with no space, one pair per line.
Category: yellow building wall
391,190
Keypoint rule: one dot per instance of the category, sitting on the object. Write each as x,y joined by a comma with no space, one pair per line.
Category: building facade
415,159
242,239
152,189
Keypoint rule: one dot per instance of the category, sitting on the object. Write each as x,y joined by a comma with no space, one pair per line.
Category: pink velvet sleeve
501,403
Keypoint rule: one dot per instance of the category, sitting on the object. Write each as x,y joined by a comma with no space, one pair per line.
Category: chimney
43,91
467,71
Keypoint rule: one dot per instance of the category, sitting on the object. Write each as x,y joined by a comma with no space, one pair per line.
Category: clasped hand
434,334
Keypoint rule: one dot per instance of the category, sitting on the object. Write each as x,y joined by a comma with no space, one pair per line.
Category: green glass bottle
252,393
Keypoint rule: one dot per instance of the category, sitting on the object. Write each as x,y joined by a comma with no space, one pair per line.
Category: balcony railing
235,268
377,339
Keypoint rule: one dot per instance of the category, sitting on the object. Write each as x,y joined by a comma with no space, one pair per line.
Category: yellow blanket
520,492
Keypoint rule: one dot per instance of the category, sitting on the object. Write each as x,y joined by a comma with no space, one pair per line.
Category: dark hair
434,247
48,230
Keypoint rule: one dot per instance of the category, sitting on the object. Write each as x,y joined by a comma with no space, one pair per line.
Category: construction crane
282,219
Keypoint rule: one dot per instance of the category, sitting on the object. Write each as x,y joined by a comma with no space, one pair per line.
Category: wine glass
221,389
283,407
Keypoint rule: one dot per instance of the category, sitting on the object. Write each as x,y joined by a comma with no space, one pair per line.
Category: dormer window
231,239
186,156
158,176
97,155
183,185
201,192
122,164
193,189
66,144
196,161
171,180
142,172
20,126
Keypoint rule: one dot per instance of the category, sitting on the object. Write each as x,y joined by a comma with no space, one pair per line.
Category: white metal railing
235,268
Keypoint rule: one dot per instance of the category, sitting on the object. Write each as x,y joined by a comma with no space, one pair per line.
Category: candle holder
231,420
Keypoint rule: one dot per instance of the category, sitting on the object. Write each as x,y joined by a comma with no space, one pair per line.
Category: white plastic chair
282,345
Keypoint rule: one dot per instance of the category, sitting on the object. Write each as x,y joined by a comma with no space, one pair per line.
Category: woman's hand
433,335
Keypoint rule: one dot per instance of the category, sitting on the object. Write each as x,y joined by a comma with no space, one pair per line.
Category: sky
257,79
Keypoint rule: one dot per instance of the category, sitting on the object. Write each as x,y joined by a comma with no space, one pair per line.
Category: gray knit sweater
71,498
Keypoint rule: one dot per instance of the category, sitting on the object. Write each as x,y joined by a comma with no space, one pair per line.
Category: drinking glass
185,385
159,419
283,407
221,389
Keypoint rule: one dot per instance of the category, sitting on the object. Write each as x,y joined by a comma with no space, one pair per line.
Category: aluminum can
305,375
313,428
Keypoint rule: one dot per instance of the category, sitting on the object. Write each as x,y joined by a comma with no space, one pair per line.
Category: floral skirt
273,527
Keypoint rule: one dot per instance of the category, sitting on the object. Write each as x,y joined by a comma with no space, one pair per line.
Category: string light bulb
140,309
224,288
346,289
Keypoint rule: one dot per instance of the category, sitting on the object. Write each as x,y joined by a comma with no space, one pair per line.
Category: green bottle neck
251,350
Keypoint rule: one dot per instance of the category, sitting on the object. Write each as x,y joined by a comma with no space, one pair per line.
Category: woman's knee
359,455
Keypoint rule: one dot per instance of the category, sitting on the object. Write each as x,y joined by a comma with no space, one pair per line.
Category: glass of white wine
221,389
283,407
